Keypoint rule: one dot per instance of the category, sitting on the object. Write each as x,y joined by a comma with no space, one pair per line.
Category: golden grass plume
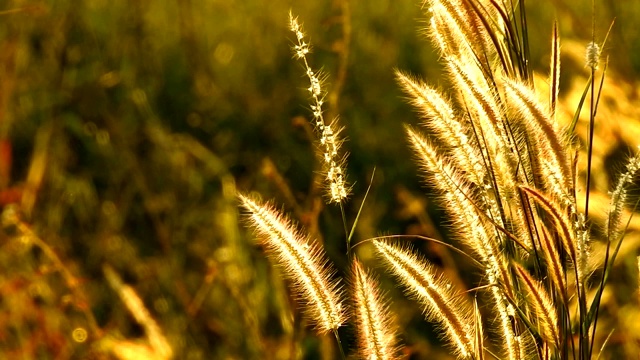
303,262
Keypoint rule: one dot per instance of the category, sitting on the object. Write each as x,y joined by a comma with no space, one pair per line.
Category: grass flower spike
374,324
440,303
304,263
592,55
333,160
541,306
619,198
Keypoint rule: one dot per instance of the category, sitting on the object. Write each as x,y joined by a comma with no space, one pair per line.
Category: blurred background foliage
126,128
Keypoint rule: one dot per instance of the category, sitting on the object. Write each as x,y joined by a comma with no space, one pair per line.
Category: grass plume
441,304
374,323
303,262
542,307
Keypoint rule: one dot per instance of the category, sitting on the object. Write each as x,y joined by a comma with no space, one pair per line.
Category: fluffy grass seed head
456,29
592,55
542,306
303,262
441,304
374,323
440,118
619,197
334,163
547,147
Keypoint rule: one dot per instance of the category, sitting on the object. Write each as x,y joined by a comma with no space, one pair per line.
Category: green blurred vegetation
126,128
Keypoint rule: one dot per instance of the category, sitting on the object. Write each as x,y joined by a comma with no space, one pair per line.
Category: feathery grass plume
333,161
473,230
304,263
542,306
374,322
619,198
439,117
546,144
460,199
445,31
554,264
461,146
478,95
582,249
510,342
454,138
592,55
441,304
563,226
457,29
487,119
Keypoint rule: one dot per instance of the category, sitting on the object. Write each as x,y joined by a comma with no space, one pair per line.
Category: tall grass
504,169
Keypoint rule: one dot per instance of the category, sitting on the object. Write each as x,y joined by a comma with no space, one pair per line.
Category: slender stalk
585,348
355,222
590,143
346,231
342,355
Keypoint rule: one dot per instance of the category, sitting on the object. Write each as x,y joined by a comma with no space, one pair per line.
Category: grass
505,172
